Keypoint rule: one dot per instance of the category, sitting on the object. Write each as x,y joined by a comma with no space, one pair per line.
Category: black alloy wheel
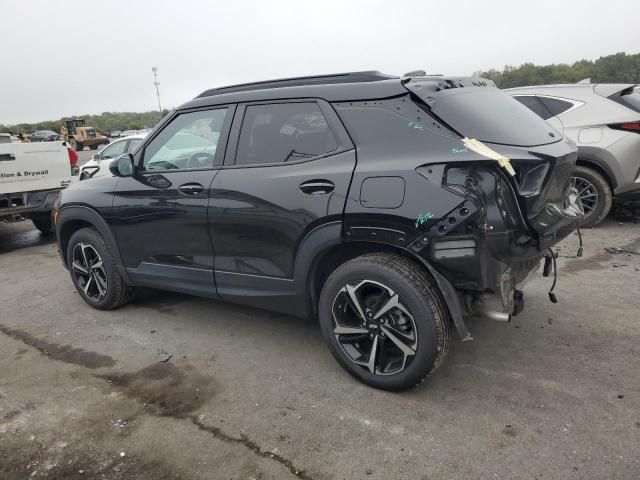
89,271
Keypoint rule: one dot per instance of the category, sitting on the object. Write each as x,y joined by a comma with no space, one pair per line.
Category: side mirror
122,166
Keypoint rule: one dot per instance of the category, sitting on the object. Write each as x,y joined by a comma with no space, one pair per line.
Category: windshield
489,115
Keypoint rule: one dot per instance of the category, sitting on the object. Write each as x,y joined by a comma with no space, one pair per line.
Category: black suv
388,208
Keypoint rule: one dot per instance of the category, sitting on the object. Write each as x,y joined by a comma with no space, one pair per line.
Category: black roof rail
350,77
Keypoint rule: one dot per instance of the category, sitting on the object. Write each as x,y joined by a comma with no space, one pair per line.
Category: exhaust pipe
487,306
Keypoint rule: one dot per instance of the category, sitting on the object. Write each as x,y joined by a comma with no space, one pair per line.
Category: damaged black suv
388,208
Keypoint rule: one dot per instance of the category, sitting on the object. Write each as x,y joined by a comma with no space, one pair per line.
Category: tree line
617,68
104,122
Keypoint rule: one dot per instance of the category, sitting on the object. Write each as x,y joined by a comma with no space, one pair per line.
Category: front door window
189,142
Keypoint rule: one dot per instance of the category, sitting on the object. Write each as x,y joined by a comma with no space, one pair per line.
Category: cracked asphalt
248,394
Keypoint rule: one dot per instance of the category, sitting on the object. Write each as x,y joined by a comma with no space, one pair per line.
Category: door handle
190,188
317,187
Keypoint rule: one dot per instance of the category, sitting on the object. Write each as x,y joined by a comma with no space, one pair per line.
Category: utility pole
157,84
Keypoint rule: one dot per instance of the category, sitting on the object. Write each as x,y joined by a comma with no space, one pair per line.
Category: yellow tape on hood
480,148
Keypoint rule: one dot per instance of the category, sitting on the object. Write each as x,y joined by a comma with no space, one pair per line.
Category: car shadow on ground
500,350
15,236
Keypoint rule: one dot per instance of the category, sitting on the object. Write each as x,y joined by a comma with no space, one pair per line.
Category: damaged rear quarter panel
487,227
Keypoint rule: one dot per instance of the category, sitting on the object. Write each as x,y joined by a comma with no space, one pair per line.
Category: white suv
604,121
98,165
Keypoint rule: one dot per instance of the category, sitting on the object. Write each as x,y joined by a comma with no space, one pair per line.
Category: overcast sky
78,57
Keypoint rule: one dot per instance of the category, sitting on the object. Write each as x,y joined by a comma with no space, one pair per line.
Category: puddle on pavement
165,389
11,240
62,353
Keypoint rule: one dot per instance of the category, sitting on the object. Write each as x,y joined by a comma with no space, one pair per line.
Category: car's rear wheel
595,194
94,272
94,147
384,321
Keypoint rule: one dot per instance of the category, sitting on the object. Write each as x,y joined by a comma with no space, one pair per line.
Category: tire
596,195
107,289
44,223
419,314
94,147
79,147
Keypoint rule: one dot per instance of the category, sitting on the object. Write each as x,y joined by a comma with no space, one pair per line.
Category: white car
98,165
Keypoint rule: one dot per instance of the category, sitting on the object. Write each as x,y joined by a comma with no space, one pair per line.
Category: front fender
72,218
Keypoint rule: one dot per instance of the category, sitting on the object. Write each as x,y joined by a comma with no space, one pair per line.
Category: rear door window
534,104
283,132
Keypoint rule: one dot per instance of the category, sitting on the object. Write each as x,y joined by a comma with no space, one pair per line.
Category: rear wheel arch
602,169
327,261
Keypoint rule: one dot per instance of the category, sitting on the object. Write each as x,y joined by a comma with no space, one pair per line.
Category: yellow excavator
79,135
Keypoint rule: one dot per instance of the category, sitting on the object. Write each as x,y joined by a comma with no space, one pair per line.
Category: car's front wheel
94,272
384,321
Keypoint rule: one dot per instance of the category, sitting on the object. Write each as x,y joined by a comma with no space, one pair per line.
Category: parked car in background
252,194
98,165
604,121
44,136
8,138
116,134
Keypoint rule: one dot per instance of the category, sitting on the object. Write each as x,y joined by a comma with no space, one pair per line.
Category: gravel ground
246,394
